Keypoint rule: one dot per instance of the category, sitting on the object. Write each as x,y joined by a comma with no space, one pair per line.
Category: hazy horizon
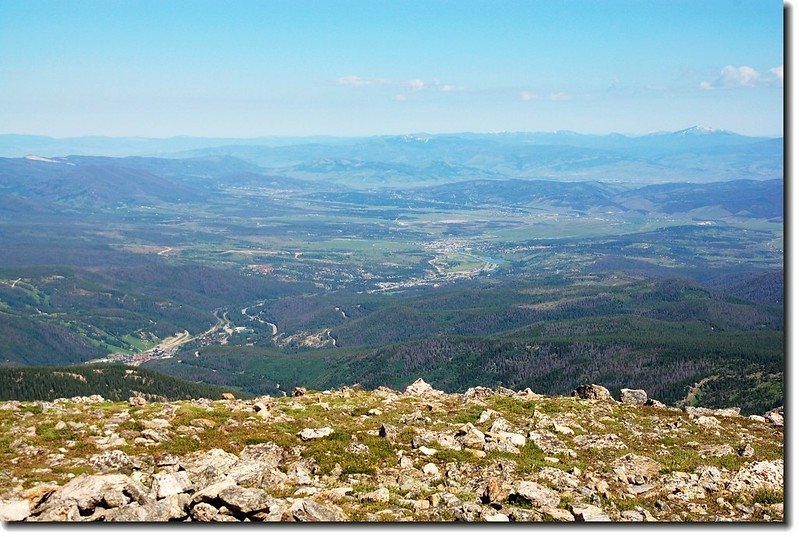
353,68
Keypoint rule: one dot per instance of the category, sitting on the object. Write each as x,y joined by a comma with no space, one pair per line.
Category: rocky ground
382,455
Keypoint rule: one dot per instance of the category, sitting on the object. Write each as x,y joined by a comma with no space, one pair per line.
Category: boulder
171,483
592,391
420,387
632,397
87,492
245,500
14,510
758,475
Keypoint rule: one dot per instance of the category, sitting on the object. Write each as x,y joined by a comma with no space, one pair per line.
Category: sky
328,67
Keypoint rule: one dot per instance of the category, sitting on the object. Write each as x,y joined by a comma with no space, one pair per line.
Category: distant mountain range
40,184
696,154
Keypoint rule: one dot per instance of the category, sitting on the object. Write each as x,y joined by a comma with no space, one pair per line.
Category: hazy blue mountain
696,154
96,183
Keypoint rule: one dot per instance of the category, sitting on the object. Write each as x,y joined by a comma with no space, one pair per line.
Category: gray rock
561,515
171,483
380,495
496,517
716,450
110,460
538,495
245,500
635,466
205,467
471,437
89,491
420,387
775,416
589,513
203,512
389,432
308,510
758,475
592,391
268,453
313,434
633,397
559,479
210,494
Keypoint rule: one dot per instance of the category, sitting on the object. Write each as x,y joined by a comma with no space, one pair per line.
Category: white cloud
448,87
416,84
559,97
528,96
732,77
400,98
777,71
358,82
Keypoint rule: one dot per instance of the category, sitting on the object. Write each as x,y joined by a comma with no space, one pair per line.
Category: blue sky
298,67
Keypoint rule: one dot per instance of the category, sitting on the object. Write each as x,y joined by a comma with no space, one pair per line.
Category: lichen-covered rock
110,460
592,391
633,397
759,475
537,494
308,510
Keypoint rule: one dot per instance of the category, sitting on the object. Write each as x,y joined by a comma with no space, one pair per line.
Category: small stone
137,401
227,396
375,412
428,451
299,391
431,470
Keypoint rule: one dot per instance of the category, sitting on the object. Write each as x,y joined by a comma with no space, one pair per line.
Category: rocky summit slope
382,455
